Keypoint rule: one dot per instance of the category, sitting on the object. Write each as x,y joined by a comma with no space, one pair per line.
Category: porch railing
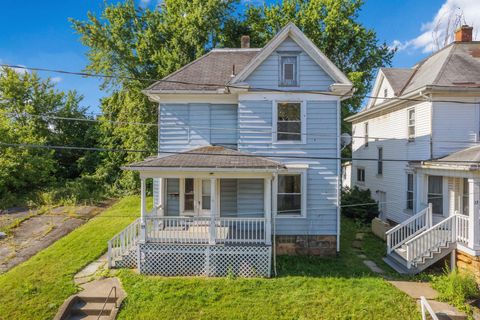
203,230
123,242
408,229
448,231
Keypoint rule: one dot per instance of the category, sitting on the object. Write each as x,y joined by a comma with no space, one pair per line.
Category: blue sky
38,34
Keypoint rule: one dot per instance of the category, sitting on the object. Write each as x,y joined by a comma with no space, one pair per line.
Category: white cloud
144,3
56,79
441,28
21,70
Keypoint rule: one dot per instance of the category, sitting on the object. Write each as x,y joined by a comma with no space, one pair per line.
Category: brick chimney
464,34
245,42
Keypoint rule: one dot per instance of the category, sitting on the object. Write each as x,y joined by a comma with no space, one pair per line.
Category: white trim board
292,31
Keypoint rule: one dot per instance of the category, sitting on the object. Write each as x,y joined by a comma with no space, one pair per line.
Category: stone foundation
468,263
306,245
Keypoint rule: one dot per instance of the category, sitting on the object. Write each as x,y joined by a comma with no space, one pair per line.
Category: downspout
339,173
274,215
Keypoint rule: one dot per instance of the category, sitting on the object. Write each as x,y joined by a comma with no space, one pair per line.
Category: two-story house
417,144
248,164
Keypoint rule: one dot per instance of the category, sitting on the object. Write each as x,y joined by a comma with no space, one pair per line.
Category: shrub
358,204
455,287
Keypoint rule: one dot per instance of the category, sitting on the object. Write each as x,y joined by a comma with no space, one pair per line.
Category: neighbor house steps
417,243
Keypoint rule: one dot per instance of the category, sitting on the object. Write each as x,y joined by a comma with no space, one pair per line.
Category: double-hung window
289,122
466,197
380,161
361,175
290,194
409,191
288,71
411,124
435,193
365,129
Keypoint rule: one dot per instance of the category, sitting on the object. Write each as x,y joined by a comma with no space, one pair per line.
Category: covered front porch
209,219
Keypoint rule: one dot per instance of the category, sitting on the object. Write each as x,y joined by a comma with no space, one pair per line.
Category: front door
196,197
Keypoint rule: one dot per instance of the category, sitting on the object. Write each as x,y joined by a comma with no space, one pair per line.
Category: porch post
267,205
143,210
473,212
213,210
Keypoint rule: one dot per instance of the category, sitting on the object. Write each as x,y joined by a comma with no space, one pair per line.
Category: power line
242,130
38,146
226,85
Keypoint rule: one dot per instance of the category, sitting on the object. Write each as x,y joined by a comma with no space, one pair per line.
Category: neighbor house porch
212,217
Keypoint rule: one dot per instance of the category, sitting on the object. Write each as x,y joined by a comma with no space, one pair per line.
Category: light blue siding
322,175
187,126
172,198
311,75
250,198
228,197
156,200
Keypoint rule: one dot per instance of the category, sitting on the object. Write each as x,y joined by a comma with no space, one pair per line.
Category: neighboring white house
423,148
347,174
244,163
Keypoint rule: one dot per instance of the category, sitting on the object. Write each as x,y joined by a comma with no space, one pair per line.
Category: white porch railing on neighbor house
123,242
204,230
408,229
427,310
444,233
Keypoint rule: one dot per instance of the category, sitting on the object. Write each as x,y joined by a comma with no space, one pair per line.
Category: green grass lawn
306,288
36,288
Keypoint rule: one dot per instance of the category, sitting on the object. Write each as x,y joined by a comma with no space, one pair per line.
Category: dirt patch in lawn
30,231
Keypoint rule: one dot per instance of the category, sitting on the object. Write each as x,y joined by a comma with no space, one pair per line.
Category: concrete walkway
418,289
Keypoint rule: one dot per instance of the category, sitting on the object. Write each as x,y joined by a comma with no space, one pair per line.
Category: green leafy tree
26,105
136,46
334,28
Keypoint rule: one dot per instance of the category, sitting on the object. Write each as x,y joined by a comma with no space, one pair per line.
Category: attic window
385,93
288,71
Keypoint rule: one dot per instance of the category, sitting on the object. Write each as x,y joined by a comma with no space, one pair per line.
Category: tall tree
137,45
334,27
27,104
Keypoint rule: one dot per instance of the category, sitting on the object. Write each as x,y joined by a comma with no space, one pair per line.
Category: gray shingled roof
208,157
468,155
397,77
215,67
456,65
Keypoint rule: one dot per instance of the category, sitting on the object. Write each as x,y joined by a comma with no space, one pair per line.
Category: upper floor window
411,124
380,161
288,71
289,122
366,134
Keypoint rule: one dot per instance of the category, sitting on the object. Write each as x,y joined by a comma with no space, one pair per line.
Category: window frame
436,195
411,137
357,177
412,192
380,167
303,122
303,190
365,133
282,82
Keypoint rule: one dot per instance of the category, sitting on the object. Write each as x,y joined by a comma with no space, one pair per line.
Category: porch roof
209,157
465,159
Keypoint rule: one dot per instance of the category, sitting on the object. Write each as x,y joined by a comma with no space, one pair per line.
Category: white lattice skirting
205,260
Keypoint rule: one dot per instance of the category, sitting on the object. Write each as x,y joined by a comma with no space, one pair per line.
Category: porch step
397,259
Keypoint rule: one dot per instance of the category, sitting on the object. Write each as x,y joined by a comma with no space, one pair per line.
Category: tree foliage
26,105
138,45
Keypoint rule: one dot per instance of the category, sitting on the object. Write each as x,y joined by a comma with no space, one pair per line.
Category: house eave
202,169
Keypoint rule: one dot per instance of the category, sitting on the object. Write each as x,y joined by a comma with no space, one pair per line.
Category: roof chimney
245,42
464,34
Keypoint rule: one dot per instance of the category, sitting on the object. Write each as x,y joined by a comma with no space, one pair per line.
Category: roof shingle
208,157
